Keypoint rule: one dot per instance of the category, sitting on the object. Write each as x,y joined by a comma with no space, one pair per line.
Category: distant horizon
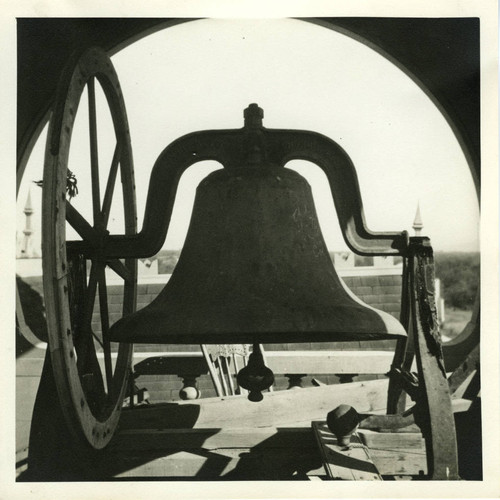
334,251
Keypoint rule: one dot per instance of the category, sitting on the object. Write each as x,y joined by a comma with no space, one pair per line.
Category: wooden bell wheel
90,372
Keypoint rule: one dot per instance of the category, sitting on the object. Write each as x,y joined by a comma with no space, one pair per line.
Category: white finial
417,223
27,244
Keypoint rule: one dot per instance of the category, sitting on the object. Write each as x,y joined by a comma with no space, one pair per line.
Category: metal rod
229,377
222,376
211,369
236,370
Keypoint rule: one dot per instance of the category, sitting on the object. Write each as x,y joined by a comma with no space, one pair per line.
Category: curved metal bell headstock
250,146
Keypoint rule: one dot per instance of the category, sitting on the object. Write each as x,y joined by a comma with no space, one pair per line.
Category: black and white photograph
256,255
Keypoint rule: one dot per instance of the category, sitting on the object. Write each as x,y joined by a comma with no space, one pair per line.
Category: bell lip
277,337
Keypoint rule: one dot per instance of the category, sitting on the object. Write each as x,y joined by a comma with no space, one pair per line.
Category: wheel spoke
87,363
80,225
90,300
110,186
119,268
103,304
91,240
94,158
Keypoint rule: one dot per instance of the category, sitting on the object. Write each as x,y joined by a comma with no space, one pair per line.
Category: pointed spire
28,207
417,223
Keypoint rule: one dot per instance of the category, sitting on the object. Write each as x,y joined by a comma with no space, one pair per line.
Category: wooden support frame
439,430
433,410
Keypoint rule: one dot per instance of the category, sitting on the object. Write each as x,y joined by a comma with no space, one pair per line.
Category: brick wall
382,291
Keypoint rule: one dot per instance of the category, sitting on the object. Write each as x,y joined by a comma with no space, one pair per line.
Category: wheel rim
91,400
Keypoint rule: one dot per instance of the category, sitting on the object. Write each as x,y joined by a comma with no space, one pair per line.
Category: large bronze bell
255,268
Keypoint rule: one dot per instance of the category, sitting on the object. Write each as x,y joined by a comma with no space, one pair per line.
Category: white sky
202,74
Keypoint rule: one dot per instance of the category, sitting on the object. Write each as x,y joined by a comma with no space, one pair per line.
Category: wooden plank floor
234,439
372,454
229,438
213,454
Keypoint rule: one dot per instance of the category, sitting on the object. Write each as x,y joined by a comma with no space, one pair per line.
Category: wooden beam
388,423
317,362
328,362
435,403
279,408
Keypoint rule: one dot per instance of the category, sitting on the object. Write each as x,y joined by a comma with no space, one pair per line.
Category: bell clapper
256,376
